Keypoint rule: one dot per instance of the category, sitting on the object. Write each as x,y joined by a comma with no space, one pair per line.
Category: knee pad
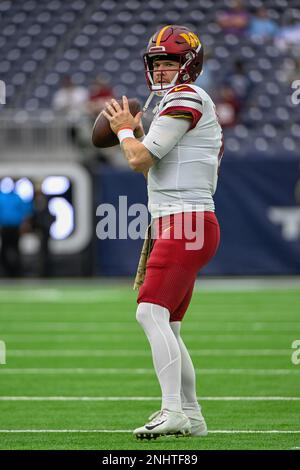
143,312
176,325
148,313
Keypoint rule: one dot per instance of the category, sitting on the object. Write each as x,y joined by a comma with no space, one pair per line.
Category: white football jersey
188,152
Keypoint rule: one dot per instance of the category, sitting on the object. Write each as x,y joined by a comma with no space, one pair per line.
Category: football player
180,156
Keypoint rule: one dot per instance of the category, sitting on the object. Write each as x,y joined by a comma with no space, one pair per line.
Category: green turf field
79,371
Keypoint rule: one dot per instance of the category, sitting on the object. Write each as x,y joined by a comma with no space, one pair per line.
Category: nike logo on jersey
156,143
179,89
155,425
182,88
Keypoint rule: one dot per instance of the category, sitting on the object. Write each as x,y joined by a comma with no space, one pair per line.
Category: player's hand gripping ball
103,136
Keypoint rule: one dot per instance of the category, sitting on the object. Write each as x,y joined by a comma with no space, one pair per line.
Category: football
103,136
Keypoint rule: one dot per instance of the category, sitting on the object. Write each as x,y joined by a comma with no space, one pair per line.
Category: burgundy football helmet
176,43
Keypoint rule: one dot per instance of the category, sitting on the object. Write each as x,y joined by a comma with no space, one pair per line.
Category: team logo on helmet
179,44
191,38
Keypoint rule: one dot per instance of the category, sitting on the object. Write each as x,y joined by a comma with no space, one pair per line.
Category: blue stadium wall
258,207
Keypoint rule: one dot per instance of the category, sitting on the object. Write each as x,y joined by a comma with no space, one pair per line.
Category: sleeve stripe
195,114
183,103
184,116
183,98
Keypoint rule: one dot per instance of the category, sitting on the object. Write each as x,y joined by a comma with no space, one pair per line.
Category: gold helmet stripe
186,37
191,39
160,34
197,40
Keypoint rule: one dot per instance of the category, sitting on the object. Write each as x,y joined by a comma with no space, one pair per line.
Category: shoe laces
154,415
158,416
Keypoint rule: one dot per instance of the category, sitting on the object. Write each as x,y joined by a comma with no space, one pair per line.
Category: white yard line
108,337
60,296
218,431
65,398
247,284
30,326
103,286
142,352
142,371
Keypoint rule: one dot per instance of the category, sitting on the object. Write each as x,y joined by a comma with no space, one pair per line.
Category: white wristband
124,134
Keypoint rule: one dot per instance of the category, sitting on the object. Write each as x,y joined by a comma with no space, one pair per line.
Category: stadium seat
46,40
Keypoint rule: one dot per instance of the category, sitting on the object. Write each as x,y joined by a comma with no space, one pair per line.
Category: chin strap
149,99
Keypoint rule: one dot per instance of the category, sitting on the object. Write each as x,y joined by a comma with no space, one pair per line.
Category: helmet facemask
178,43
183,75
160,87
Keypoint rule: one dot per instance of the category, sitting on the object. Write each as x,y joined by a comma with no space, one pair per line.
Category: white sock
189,401
154,319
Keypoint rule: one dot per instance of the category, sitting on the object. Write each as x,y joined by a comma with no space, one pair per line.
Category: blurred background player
12,217
70,101
180,157
41,221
